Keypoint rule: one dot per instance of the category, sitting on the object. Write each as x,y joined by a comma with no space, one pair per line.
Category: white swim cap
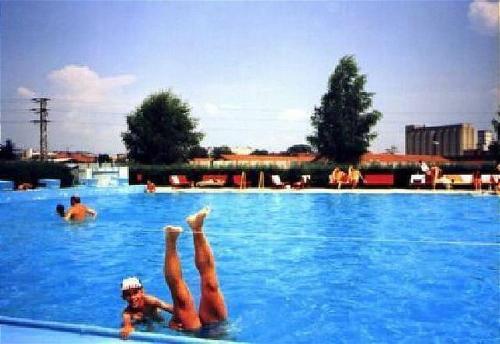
131,283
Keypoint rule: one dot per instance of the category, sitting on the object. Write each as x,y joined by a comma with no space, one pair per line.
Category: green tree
260,152
217,152
341,123
161,130
7,151
300,148
104,158
198,152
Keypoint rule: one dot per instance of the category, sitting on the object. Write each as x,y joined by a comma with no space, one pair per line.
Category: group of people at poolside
143,307
435,173
352,176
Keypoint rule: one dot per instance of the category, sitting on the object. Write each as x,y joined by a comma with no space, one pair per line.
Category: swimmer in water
212,309
78,211
141,306
60,210
150,187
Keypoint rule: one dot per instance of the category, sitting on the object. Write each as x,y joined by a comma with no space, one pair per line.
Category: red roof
78,157
383,158
271,158
387,158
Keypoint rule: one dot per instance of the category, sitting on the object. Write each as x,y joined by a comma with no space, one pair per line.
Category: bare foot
172,232
195,221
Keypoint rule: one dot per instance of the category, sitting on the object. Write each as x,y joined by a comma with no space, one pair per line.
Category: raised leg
185,316
212,306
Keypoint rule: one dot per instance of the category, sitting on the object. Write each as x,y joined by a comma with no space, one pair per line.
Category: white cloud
88,110
484,16
294,114
211,109
81,84
25,92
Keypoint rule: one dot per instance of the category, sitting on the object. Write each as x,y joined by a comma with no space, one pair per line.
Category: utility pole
42,111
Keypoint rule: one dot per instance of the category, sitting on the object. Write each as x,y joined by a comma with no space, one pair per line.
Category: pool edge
80,329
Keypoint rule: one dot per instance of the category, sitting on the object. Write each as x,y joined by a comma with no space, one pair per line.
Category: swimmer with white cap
141,306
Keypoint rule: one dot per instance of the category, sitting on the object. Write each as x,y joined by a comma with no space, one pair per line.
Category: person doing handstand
212,309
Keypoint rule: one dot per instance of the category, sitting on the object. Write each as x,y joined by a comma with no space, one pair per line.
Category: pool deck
168,189
28,331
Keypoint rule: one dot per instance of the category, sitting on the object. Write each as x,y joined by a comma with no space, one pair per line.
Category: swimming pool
293,267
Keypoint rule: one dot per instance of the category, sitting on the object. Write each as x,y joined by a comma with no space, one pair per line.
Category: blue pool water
302,268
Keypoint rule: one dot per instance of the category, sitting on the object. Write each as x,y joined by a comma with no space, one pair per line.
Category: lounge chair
378,179
276,182
212,181
460,180
420,180
237,181
179,181
303,182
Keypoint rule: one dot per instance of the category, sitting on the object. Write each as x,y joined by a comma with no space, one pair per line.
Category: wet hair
74,200
60,210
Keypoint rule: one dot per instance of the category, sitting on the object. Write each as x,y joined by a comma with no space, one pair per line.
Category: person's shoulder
150,298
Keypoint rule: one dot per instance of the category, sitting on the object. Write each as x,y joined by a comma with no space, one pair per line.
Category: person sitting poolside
424,168
338,177
78,211
212,309
354,176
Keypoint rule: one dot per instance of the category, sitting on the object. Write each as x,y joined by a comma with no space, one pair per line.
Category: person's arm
156,302
91,212
127,326
68,215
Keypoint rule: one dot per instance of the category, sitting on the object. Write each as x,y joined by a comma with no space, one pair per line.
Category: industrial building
446,140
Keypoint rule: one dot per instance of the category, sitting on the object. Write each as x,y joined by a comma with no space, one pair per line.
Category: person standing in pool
78,211
212,309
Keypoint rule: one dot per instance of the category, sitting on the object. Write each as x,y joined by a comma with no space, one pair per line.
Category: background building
484,139
446,140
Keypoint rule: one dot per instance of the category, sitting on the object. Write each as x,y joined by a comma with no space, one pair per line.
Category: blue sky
251,71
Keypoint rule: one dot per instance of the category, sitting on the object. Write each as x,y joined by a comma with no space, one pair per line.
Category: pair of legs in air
212,308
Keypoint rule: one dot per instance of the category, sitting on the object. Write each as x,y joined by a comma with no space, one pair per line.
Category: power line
43,113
